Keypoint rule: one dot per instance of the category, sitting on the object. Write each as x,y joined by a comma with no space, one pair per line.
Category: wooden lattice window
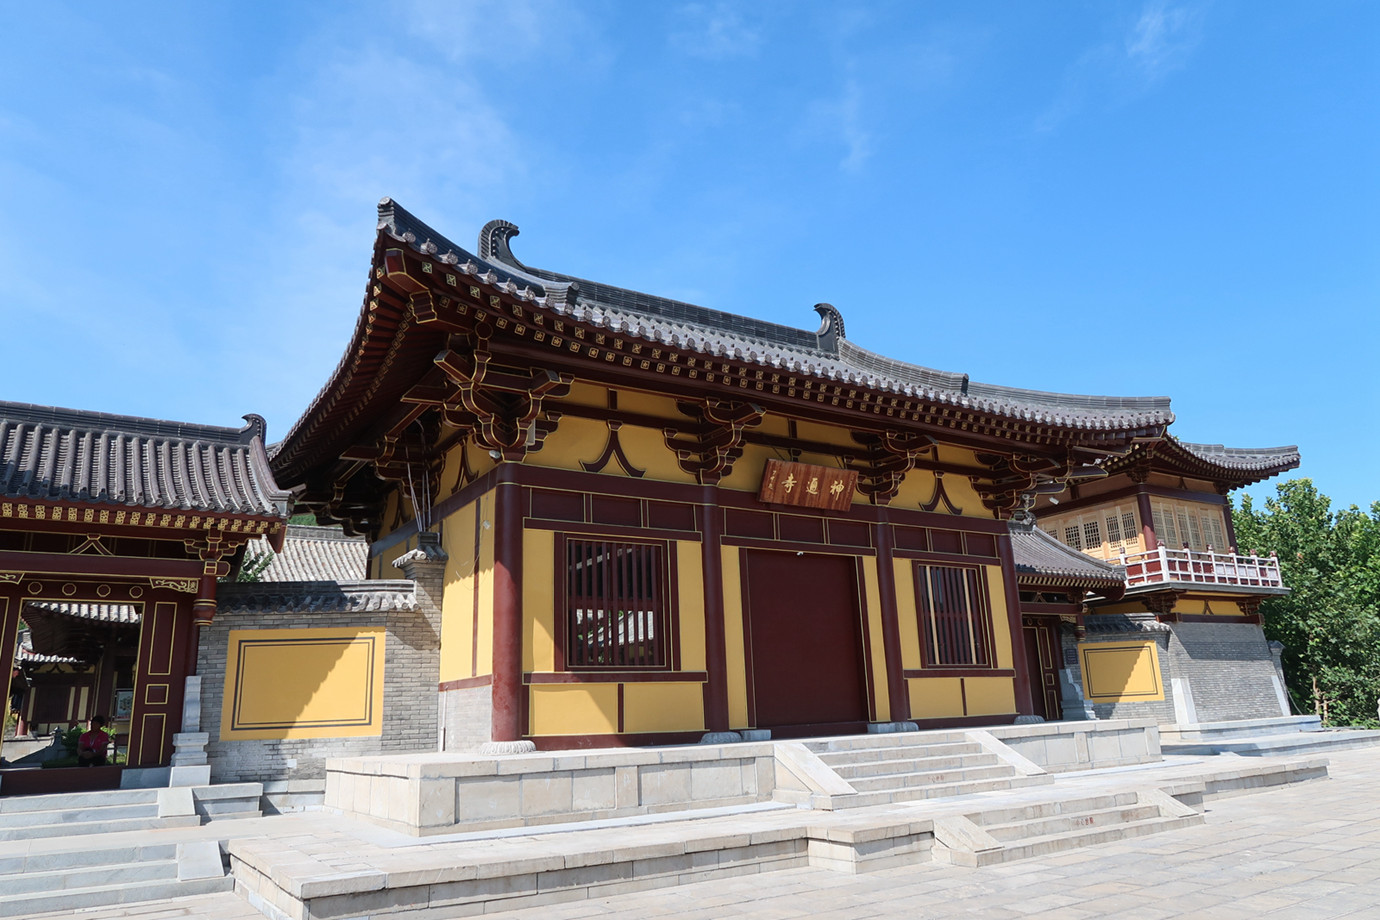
1194,524
616,607
954,621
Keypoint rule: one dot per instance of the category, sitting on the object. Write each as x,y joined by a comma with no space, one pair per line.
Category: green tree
1329,622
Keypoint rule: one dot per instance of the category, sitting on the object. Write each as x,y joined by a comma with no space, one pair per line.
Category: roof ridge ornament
831,329
493,242
256,427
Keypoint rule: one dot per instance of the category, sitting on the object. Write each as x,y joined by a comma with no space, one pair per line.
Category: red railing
1207,568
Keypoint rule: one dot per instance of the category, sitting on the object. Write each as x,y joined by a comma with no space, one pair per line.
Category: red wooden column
716,659
1025,700
10,604
891,629
506,723
1147,518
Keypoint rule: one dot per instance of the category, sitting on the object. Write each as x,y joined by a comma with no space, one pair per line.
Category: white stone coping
444,765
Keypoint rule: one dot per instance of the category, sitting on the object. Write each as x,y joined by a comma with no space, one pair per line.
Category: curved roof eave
824,355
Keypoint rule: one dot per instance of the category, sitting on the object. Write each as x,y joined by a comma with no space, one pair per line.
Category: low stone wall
439,794
1062,747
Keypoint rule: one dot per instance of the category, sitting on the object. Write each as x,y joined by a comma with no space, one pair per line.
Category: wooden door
804,631
1042,658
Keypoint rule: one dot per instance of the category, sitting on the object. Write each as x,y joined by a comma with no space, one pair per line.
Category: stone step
64,800
916,765
884,742
900,781
1058,843
61,860
1037,810
1069,823
77,815
76,899
898,752
939,791
229,800
87,828
97,876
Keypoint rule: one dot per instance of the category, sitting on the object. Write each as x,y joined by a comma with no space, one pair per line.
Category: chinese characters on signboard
807,485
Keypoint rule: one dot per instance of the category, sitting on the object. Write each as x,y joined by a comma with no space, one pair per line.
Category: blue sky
1130,198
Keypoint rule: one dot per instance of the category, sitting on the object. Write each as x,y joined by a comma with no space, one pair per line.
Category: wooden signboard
808,486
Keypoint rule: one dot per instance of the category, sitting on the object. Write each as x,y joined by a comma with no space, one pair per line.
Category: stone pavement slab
1310,850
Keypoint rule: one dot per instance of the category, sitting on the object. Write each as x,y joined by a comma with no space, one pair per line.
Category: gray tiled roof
102,613
1112,623
1041,559
317,597
1243,458
24,653
314,554
823,354
51,454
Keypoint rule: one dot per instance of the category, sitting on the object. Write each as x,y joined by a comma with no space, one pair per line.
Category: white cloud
713,31
1161,40
840,118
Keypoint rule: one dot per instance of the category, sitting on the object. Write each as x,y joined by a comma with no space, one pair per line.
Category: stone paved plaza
1307,851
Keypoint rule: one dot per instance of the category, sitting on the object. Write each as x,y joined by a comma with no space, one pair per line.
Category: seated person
92,745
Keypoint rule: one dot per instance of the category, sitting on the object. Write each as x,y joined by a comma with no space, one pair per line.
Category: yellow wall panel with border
989,696
574,709
908,620
663,707
690,590
538,600
735,652
1116,672
458,594
1001,623
303,683
935,697
876,652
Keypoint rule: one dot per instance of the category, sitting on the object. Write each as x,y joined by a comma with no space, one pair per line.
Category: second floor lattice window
616,609
954,622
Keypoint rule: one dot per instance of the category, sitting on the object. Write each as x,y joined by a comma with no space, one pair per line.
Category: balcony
1164,566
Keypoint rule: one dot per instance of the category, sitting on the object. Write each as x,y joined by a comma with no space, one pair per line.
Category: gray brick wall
411,667
1228,667
467,718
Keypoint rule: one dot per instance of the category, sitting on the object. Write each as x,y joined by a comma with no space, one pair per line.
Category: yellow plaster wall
470,567
825,434
1001,623
690,591
304,683
746,474
573,441
935,697
1121,671
735,654
574,709
987,696
381,566
1212,607
538,600
876,652
907,618
663,707
646,450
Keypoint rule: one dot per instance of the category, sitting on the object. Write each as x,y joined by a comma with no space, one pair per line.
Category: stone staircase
1006,834
912,766
80,850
